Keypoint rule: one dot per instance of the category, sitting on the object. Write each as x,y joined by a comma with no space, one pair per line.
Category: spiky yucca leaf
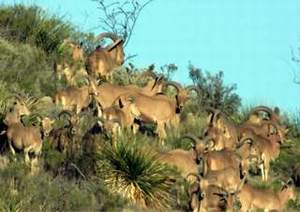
136,174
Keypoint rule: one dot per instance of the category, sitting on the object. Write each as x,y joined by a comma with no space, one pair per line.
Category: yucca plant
136,174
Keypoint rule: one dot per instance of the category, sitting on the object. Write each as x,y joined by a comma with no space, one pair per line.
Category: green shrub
30,24
134,172
24,67
213,91
22,191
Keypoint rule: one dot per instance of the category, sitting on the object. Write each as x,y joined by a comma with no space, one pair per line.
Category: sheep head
115,50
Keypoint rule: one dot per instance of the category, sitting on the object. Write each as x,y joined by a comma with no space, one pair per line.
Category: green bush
134,172
30,24
22,191
213,91
24,67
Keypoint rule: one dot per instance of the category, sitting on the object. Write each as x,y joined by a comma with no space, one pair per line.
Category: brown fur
228,179
124,110
108,92
183,160
74,98
255,198
215,199
71,73
223,159
102,61
268,149
23,138
156,109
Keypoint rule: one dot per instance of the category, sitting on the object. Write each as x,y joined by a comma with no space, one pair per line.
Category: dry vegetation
84,166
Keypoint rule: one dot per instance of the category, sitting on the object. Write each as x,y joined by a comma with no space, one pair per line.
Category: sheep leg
38,150
26,154
244,208
78,109
63,102
99,110
175,121
262,170
160,130
135,128
11,148
267,167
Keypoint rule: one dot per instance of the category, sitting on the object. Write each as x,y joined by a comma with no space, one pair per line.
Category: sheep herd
216,167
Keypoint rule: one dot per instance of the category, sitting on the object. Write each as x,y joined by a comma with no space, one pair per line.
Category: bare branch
296,59
120,17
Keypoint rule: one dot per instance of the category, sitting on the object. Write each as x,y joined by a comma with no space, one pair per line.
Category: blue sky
248,40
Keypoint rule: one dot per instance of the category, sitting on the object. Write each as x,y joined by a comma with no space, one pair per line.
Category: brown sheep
102,61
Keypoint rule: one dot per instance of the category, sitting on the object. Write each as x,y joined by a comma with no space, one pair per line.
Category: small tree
213,91
168,70
120,16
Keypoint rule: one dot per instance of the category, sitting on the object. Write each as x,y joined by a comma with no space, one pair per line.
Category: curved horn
198,177
209,139
176,85
149,73
193,88
242,183
215,113
205,131
266,109
68,112
116,39
110,35
194,138
248,140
